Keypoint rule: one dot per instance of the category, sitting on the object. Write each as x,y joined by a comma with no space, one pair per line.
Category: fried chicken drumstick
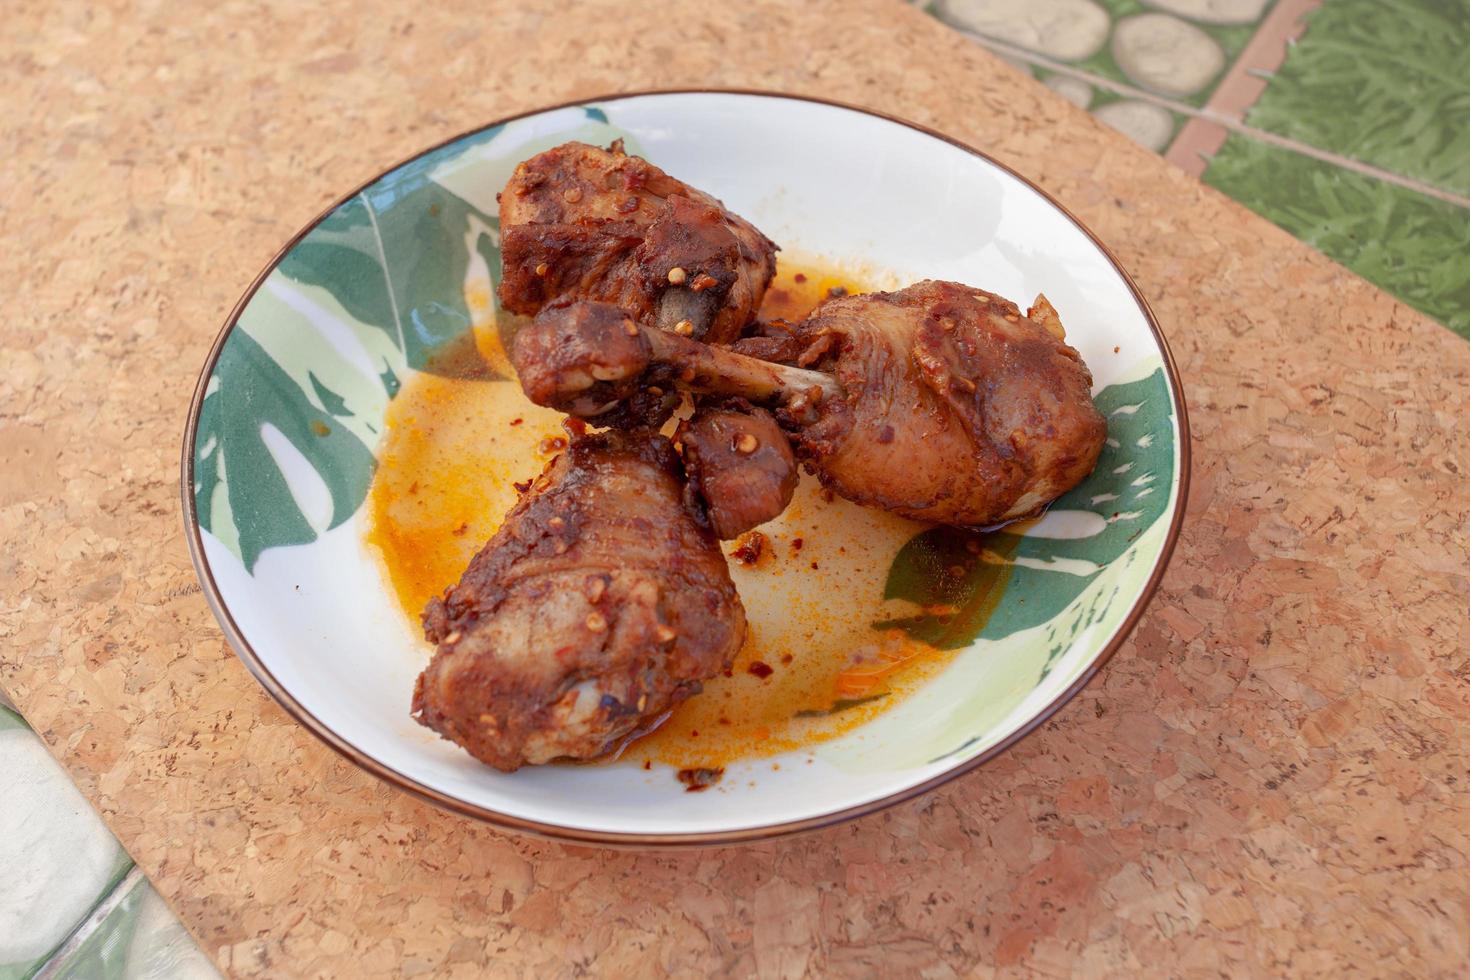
600,604
580,222
938,402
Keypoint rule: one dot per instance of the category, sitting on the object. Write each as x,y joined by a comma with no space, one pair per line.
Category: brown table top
1273,775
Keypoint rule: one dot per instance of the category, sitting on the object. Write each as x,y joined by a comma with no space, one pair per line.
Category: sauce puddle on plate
812,668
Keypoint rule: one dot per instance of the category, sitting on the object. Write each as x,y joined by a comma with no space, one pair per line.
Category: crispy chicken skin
938,402
600,604
741,467
957,408
580,222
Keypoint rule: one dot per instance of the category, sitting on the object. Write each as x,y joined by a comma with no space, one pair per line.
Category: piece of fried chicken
601,603
581,223
939,402
742,471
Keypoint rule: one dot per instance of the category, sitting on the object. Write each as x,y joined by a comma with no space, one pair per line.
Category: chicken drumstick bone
938,402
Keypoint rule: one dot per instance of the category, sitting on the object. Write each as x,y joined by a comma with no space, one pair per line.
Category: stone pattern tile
1348,123
1152,52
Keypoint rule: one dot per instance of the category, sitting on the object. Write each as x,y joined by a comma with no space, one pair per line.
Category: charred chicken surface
600,604
938,402
582,223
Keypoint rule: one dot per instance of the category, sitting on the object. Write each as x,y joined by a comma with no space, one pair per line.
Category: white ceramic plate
286,421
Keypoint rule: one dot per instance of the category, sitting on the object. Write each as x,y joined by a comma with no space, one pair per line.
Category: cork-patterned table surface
1272,776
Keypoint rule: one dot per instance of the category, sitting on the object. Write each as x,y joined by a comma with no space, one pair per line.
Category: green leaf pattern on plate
395,258
251,412
292,412
1127,492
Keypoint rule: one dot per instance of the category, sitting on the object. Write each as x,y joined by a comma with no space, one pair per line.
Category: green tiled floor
1384,83
1197,45
1388,85
1360,144
1414,246
1140,60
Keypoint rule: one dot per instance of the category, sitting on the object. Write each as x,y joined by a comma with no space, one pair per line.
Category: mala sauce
812,668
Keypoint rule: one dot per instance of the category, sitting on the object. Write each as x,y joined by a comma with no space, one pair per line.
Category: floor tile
136,938
1384,83
1409,244
1177,49
1148,125
59,859
1241,86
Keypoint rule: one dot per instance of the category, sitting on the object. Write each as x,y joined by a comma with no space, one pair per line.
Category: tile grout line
1243,84
1336,160
1221,119
89,925
1062,68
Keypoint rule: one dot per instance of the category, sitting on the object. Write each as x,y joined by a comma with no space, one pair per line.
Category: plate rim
577,835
